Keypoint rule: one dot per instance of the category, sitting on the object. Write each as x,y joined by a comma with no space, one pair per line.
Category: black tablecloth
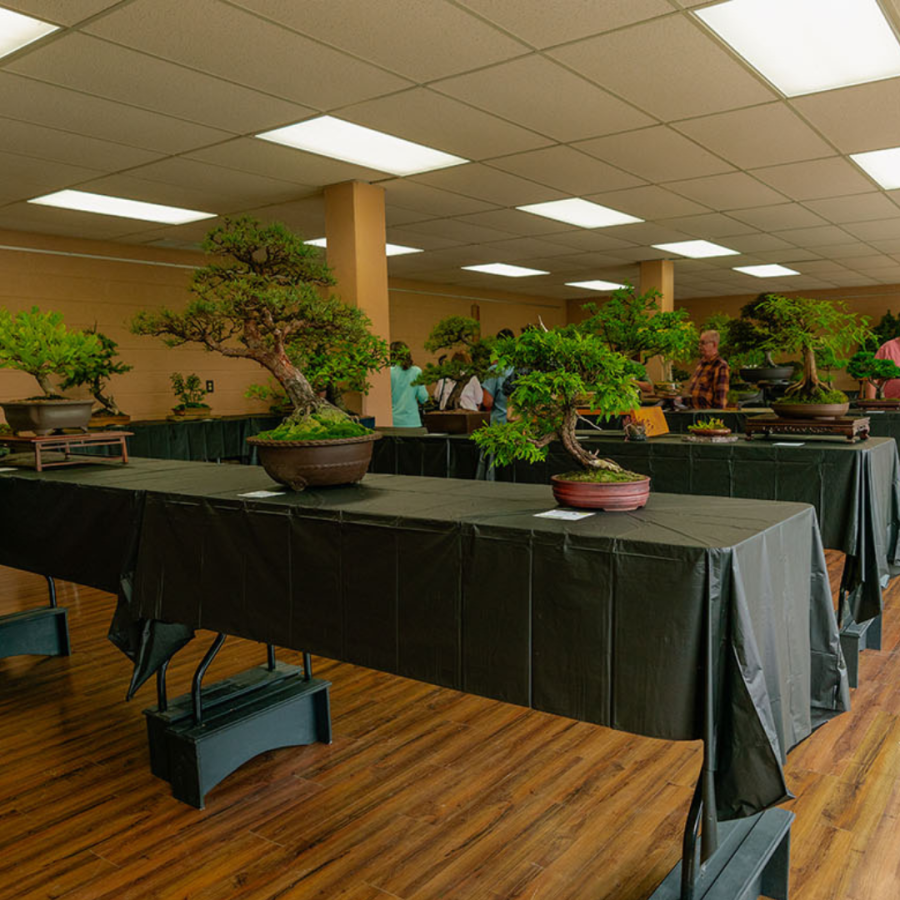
458,583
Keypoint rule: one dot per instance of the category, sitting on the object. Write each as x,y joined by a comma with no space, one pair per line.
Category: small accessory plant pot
710,428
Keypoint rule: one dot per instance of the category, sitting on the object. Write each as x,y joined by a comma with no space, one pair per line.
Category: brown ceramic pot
454,421
788,410
301,464
617,496
46,416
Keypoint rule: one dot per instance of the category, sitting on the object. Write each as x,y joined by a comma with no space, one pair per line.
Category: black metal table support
855,636
200,738
38,632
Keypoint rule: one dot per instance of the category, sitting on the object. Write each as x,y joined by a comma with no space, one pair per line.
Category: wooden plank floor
425,794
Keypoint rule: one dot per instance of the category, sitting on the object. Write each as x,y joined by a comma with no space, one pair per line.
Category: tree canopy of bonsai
737,352
887,329
561,366
459,333
632,324
189,391
262,299
95,372
41,345
865,367
809,327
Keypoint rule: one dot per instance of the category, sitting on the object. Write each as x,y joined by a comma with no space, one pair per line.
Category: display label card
788,444
875,412
260,494
570,515
8,469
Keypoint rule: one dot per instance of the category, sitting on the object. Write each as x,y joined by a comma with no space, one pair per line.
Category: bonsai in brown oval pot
559,367
262,299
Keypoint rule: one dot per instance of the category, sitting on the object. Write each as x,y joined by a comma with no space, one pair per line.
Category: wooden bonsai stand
66,444
850,427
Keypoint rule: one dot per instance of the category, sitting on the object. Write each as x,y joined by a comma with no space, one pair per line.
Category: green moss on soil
602,476
819,396
316,427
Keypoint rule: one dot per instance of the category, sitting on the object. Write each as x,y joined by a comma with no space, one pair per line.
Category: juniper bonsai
463,334
865,367
96,370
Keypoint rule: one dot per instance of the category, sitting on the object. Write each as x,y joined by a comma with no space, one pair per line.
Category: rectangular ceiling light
804,46
882,165
119,206
576,211
505,269
770,271
351,143
389,249
696,249
17,31
595,285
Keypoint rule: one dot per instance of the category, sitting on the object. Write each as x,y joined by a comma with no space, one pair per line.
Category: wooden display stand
852,428
66,444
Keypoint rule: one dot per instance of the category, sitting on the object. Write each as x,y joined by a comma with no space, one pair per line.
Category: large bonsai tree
561,367
41,345
96,370
463,334
262,299
632,324
865,367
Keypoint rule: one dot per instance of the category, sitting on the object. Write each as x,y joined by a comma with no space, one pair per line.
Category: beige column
659,274
355,231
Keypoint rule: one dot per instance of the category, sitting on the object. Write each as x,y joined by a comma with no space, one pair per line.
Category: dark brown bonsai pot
454,421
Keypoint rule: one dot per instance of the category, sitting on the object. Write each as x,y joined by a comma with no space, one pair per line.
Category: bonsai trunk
453,401
108,403
299,391
44,382
810,382
879,389
577,452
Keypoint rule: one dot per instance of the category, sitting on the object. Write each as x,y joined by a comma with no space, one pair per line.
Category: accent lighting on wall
83,201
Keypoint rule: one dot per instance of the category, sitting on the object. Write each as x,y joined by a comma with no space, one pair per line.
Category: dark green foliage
457,333
95,371
817,395
865,367
189,391
737,342
886,330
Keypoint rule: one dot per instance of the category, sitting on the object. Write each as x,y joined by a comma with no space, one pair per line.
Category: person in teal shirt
405,396
495,399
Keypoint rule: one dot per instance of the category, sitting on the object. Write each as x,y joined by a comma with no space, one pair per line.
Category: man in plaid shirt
708,387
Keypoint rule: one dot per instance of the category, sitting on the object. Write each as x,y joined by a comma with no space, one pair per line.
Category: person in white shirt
471,394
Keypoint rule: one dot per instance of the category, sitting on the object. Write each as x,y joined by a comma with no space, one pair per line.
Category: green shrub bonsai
96,370
865,367
189,391
463,335
560,367
41,345
262,299
887,329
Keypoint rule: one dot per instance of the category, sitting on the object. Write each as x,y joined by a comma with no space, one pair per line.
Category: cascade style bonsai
865,367
96,370
463,334
262,298
561,366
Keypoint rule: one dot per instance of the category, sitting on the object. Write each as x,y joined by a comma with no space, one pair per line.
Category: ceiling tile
417,239
887,276
657,154
888,245
517,222
461,232
68,223
233,44
649,202
870,264
306,214
590,240
821,236
848,249
23,177
709,225
736,190
646,233
395,34
484,183
855,118
430,201
858,208
107,70
851,279
557,103
669,67
832,177
444,123
566,170
875,231
557,21
779,217
760,136
525,247
60,13
751,243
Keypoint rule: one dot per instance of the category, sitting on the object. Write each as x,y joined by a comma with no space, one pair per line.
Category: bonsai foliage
561,367
96,370
865,367
457,333
261,299
41,345
632,324
189,391
737,345
810,327
887,329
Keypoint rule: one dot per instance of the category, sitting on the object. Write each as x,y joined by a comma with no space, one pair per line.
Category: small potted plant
41,345
561,366
95,372
710,429
470,358
190,392
866,369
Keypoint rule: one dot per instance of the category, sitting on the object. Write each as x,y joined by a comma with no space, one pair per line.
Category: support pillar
659,274
355,232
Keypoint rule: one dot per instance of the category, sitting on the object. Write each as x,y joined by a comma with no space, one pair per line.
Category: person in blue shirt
405,396
494,396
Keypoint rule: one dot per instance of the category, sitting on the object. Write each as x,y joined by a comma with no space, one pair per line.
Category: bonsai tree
189,391
563,365
887,329
96,370
41,345
734,347
462,334
632,324
260,297
807,326
865,367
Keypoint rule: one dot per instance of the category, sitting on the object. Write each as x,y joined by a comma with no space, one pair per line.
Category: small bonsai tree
189,391
95,371
463,334
809,327
887,329
261,297
561,366
632,324
865,367
41,345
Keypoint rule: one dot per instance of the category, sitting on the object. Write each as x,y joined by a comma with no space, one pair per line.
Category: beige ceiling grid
630,103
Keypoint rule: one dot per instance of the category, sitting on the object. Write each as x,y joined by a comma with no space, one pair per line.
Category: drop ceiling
630,103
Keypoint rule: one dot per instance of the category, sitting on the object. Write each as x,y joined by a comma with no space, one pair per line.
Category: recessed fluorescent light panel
576,211
595,285
770,271
507,270
804,46
17,31
696,249
351,143
119,206
882,165
389,249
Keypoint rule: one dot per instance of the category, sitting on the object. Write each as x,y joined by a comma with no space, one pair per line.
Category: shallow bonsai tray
852,428
66,444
